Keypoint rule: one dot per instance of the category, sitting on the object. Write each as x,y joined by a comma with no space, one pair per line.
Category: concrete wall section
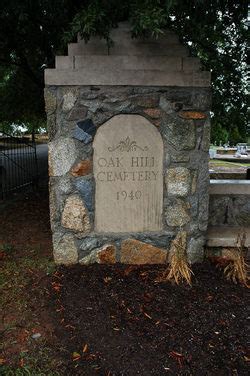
229,203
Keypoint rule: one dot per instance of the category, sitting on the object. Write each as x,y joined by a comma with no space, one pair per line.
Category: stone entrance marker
129,133
128,171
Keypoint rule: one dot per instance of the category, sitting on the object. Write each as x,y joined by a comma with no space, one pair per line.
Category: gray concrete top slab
229,187
225,236
136,62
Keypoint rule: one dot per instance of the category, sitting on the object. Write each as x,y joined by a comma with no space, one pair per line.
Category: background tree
32,32
30,35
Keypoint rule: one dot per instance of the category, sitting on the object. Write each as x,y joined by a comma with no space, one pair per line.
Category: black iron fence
18,164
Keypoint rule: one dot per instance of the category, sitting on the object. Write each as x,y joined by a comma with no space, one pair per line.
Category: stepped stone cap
137,62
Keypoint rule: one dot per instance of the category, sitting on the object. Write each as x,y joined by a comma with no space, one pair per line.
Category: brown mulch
131,325
116,320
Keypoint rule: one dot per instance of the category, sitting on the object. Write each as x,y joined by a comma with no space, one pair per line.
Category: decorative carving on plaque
127,145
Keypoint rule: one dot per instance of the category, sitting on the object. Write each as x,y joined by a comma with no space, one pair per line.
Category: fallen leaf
56,286
85,348
76,356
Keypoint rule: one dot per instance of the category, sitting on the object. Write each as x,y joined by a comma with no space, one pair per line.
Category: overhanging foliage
32,32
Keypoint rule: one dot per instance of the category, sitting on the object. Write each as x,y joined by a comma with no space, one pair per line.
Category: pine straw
179,270
236,269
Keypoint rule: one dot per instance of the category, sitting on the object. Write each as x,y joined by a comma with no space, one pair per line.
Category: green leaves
149,18
33,32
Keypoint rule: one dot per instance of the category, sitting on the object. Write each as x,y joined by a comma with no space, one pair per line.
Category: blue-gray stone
82,136
87,126
88,244
85,189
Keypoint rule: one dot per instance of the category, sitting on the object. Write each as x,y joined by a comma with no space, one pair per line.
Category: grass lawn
232,165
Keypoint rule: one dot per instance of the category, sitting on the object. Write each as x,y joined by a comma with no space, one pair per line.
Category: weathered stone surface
65,250
166,105
82,136
75,215
146,101
229,209
186,142
194,182
86,191
62,155
192,115
180,157
56,203
192,202
201,99
84,131
104,255
154,113
177,212
87,126
82,168
136,252
156,122
128,163
88,244
203,210
178,181
69,100
51,125
179,132
159,240
92,106
50,102
64,184
195,250
53,207
205,144
78,113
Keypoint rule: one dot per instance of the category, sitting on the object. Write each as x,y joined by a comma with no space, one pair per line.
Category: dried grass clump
236,269
179,270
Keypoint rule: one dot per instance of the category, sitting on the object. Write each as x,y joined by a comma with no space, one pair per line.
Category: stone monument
129,134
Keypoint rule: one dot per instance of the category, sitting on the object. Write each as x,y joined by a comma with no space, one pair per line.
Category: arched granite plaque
128,171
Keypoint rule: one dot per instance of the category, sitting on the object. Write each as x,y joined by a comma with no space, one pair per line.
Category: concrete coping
229,187
130,62
225,236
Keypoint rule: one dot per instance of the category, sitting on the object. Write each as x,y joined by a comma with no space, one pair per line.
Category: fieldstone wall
229,203
181,115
